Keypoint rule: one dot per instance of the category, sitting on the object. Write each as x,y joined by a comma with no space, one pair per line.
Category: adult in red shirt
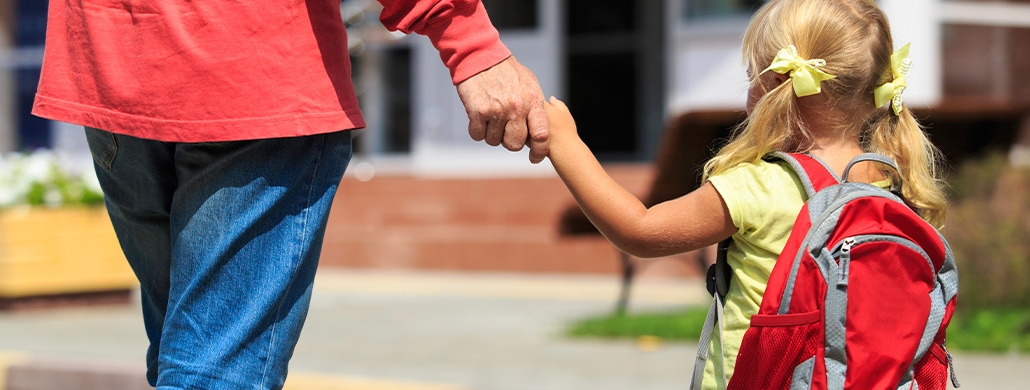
218,130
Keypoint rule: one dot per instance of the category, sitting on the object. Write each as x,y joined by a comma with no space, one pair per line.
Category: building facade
625,68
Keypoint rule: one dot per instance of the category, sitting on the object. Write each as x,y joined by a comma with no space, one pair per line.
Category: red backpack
859,298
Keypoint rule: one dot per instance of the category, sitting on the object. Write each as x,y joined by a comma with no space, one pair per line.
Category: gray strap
836,308
803,373
933,325
704,343
722,343
798,170
948,273
951,367
875,157
908,385
827,166
702,346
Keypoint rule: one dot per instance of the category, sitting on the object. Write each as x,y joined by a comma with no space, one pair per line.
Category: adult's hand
506,106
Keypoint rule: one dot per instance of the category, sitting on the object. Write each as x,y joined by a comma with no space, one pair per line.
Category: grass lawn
679,325
992,330
989,330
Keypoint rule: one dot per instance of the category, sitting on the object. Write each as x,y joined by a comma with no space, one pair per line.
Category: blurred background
450,264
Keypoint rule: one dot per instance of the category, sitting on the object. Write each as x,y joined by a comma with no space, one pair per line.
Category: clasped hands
505,106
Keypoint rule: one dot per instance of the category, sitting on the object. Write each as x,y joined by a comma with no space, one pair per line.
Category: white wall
704,68
703,71
918,22
7,90
706,72
441,144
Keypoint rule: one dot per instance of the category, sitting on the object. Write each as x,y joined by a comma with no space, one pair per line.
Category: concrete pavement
417,331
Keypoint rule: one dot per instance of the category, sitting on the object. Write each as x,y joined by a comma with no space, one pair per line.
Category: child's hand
562,125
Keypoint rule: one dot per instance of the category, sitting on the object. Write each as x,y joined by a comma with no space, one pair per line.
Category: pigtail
850,42
774,122
768,127
901,138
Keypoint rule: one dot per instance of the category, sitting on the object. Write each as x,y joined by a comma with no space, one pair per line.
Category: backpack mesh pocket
932,371
773,347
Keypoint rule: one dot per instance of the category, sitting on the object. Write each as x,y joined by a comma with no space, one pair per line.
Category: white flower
90,181
40,166
46,178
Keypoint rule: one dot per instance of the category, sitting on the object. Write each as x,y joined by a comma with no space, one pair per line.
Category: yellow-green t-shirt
763,199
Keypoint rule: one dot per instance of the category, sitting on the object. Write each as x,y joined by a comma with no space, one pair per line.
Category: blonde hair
854,38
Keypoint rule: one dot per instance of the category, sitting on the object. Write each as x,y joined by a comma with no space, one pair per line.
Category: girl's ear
780,78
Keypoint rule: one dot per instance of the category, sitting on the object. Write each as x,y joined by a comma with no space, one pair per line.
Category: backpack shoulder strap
813,172
814,175
876,157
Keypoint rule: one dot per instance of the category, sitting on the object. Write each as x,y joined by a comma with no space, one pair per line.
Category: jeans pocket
217,144
102,146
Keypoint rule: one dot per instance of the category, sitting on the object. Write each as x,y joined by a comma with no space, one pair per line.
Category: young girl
822,82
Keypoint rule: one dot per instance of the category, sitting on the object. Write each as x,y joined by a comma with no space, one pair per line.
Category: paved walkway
420,331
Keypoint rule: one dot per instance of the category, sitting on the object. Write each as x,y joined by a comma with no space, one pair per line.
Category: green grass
988,330
991,330
682,325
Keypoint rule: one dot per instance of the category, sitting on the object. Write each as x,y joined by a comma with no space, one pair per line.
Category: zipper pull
951,366
844,263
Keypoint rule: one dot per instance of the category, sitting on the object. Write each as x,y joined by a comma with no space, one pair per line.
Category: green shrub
989,231
46,178
994,330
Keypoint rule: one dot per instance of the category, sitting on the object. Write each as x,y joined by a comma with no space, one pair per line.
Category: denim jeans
225,239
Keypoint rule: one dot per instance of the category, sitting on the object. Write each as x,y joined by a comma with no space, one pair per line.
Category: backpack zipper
844,262
843,270
842,252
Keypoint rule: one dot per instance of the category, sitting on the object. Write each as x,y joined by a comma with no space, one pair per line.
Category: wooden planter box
68,253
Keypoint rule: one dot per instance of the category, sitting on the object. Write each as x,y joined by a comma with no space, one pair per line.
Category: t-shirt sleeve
459,29
755,193
763,199
733,186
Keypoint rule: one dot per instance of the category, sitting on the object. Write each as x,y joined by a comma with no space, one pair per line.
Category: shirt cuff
468,42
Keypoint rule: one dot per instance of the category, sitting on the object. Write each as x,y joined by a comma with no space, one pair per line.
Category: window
397,90
507,14
29,33
601,16
706,9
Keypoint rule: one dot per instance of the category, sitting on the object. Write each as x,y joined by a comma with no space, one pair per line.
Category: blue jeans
225,239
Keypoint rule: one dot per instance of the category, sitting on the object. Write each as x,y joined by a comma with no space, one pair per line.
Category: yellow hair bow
804,74
900,66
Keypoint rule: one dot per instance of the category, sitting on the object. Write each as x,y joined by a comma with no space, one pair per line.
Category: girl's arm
690,222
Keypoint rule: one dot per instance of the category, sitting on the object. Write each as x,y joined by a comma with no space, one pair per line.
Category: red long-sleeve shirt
206,71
